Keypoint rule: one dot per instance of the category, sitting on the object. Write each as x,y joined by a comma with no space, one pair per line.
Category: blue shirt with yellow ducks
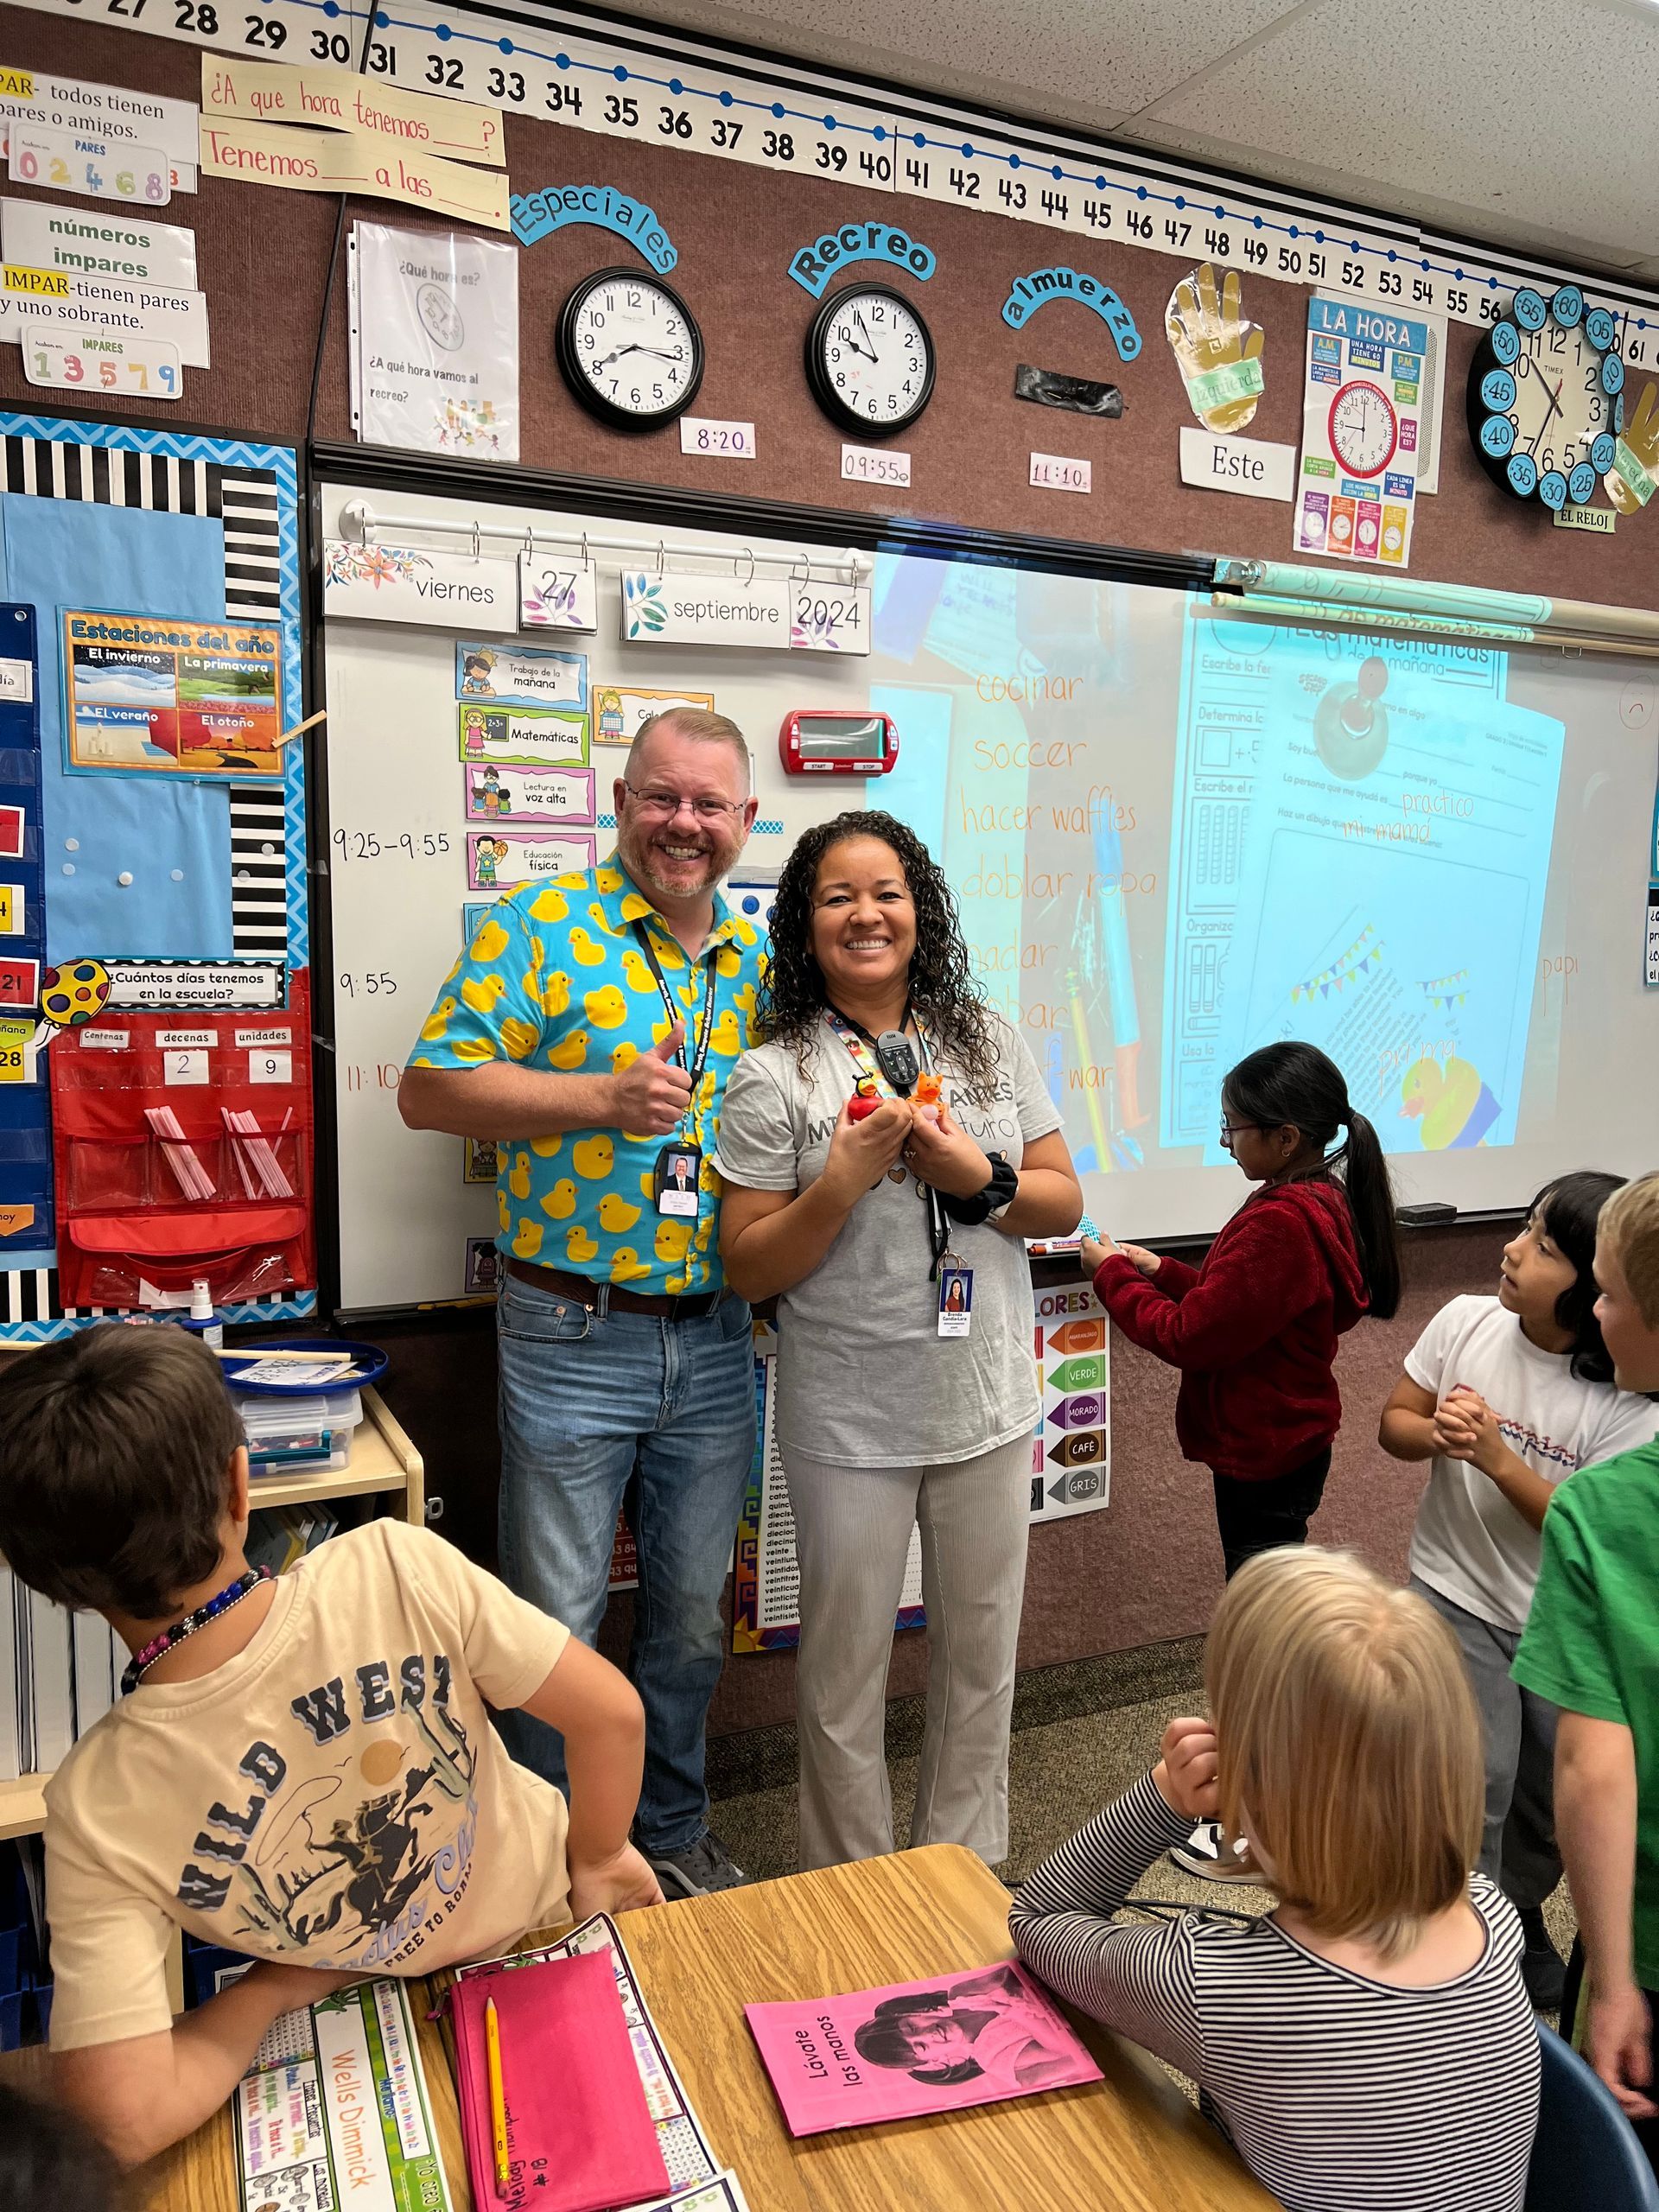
556,978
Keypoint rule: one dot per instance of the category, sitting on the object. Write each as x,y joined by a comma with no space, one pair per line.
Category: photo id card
956,1300
677,1168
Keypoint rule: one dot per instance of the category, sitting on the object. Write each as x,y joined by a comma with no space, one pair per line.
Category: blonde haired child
1371,2040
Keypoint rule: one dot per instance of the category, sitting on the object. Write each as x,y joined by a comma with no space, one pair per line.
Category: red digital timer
829,741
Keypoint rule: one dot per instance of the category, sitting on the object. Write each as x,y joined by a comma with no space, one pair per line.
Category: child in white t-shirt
1508,1396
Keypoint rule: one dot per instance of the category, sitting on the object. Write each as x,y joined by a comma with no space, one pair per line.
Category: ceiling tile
1091,64
1525,113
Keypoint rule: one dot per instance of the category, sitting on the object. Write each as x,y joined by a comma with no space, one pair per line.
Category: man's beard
639,858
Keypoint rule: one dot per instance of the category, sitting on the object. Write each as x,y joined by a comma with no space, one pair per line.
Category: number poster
1362,432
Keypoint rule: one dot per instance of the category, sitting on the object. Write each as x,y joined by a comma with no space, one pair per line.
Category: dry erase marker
497,2097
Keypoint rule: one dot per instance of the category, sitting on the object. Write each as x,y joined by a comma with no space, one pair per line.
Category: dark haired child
301,1769
1255,1327
1508,1396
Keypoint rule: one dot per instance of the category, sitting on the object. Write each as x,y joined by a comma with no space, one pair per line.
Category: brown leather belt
582,1291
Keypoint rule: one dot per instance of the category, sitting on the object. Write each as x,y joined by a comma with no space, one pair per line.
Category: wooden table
1131,2143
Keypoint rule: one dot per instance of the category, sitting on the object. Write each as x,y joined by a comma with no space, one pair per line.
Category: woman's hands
940,1153
861,1153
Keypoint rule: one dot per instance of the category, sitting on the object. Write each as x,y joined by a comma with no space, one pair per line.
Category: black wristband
1000,1191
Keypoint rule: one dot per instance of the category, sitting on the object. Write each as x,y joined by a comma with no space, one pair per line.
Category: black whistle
897,1060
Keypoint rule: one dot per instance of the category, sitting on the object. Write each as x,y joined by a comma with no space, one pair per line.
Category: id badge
677,1168
955,1297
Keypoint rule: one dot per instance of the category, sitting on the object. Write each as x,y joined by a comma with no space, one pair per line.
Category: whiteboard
1173,836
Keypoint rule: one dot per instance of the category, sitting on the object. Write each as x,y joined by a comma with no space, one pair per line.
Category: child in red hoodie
1253,1329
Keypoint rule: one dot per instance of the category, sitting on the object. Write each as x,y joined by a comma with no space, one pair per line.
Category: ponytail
1297,1086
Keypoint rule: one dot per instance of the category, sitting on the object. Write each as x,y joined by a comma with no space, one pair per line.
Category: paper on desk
334,2111
292,1374
723,2194
685,2151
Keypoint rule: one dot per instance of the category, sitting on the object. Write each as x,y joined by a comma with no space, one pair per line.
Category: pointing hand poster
1362,427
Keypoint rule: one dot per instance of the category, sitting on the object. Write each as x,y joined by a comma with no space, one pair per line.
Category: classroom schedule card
334,2111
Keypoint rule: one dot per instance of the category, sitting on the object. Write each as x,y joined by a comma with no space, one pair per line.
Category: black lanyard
693,1067
853,1035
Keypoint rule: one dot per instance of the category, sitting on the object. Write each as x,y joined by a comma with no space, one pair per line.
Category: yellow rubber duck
573,881
728,962
624,1057
435,1026
648,1182
616,1214
668,952
547,1147
600,920
727,1038
556,992
672,1240
1443,1098
528,1241
594,1157
583,948
570,1052
626,1266
634,967
518,1175
559,1203
474,1048
606,1008
518,1040
490,941
502,1211
548,904
745,932
609,878
481,992
579,1246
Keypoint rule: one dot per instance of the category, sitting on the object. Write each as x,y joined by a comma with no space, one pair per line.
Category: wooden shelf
22,1806
383,1459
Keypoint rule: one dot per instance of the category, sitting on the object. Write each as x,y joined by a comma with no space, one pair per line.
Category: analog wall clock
1543,398
869,360
630,349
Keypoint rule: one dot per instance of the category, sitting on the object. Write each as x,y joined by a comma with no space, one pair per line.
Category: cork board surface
263,257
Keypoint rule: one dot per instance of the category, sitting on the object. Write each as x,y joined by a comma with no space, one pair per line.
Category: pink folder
580,2136
916,2047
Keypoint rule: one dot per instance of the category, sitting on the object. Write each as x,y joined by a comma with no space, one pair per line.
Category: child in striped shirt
1370,2042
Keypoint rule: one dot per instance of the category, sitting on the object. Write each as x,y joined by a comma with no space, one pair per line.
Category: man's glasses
667,804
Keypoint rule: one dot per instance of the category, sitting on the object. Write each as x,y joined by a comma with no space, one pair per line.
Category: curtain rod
360,524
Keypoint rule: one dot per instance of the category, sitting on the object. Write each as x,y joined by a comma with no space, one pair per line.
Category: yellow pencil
497,2097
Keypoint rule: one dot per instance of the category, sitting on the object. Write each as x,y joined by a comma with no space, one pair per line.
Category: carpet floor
1082,1734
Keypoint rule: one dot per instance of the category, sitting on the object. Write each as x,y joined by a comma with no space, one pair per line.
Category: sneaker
1541,1967
1212,1856
698,1871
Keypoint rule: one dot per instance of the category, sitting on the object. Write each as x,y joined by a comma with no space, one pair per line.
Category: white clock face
1560,407
1365,430
876,357
633,344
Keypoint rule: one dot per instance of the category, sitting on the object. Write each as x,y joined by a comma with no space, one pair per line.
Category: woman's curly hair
943,991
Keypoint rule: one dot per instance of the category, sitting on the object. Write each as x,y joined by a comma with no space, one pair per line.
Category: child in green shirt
1591,1645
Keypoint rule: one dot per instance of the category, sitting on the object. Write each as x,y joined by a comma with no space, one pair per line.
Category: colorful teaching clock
1363,429
1544,396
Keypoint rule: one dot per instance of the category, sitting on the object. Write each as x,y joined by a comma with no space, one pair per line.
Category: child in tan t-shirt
309,1774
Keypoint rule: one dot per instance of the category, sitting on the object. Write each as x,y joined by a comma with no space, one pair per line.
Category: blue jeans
599,1411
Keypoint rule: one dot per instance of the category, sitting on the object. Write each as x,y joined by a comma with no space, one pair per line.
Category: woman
889,1414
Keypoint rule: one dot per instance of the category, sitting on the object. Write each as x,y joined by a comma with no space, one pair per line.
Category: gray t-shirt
864,1378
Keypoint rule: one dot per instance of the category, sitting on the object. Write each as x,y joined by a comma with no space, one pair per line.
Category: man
1591,1645
589,1029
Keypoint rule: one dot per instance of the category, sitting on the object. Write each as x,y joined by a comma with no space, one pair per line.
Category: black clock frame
818,374
570,360
1485,359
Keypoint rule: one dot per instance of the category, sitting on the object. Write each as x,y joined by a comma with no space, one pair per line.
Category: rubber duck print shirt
556,978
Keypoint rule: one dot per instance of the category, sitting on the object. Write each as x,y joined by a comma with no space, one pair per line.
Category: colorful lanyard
855,1038
693,1067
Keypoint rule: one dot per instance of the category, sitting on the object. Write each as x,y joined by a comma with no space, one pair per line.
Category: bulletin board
1127,788
170,924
